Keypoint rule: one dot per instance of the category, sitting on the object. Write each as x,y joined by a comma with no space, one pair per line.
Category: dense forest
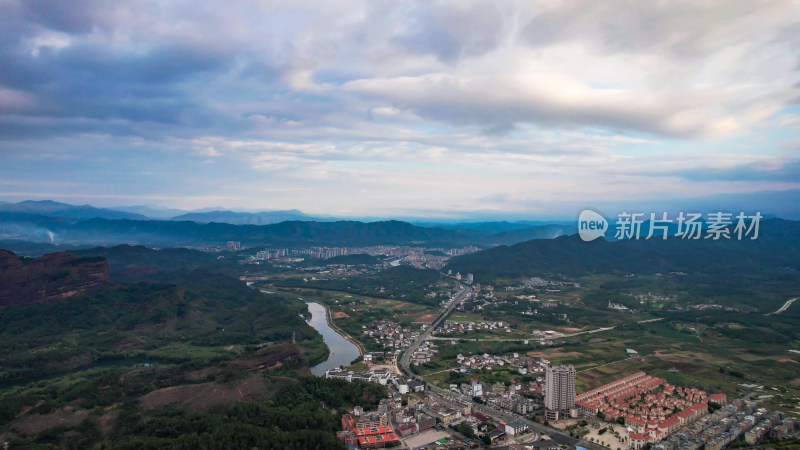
185,358
303,412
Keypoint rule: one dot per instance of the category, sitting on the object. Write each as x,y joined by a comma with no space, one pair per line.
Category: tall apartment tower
560,389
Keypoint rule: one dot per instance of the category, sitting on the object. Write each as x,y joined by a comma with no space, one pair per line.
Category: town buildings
559,397
354,435
738,419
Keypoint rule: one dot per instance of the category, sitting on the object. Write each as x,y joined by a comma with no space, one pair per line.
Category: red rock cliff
49,278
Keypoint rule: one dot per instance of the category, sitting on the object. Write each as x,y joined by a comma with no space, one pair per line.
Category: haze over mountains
31,226
67,211
246,218
83,212
59,223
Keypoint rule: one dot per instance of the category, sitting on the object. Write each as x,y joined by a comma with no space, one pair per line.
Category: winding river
342,351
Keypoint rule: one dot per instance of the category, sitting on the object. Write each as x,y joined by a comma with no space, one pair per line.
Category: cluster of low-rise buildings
423,353
523,364
538,282
738,419
434,258
466,278
401,383
450,412
380,376
458,327
393,421
669,417
412,410
632,398
516,397
651,408
368,430
387,333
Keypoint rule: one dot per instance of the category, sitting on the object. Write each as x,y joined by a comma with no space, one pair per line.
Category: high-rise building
560,389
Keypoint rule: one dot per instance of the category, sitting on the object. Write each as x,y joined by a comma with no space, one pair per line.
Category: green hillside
193,358
778,246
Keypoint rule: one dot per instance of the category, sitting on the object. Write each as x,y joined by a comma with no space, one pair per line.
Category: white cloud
497,104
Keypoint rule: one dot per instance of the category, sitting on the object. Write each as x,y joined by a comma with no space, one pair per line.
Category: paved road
784,307
598,330
405,366
530,338
405,359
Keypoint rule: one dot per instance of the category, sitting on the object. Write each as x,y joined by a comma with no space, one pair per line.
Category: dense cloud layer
368,107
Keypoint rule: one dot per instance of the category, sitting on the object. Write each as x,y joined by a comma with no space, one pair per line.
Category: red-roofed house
719,399
375,437
348,423
636,424
638,441
669,425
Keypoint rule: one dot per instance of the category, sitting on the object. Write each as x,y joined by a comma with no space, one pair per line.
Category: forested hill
173,233
777,247
186,357
138,263
50,278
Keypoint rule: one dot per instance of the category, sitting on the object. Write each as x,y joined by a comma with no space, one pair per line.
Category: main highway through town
464,292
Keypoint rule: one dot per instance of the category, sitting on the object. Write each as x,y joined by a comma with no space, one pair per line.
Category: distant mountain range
493,227
48,222
205,215
67,211
219,214
19,228
153,212
245,218
162,233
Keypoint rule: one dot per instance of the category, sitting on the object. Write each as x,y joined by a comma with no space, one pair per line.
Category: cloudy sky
501,108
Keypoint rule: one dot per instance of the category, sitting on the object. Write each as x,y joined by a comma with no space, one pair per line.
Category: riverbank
346,335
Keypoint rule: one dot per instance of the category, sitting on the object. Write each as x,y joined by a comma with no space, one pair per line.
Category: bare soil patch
270,357
108,422
204,396
129,343
36,423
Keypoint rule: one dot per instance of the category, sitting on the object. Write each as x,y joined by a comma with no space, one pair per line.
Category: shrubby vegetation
776,247
152,321
304,414
402,283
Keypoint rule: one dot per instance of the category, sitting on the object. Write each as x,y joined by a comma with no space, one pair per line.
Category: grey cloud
68,16
189,71
453,33
685,29
787,171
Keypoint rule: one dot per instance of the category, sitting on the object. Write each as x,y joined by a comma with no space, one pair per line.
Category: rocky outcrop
49,278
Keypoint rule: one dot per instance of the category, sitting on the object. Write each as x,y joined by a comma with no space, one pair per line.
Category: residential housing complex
667,416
